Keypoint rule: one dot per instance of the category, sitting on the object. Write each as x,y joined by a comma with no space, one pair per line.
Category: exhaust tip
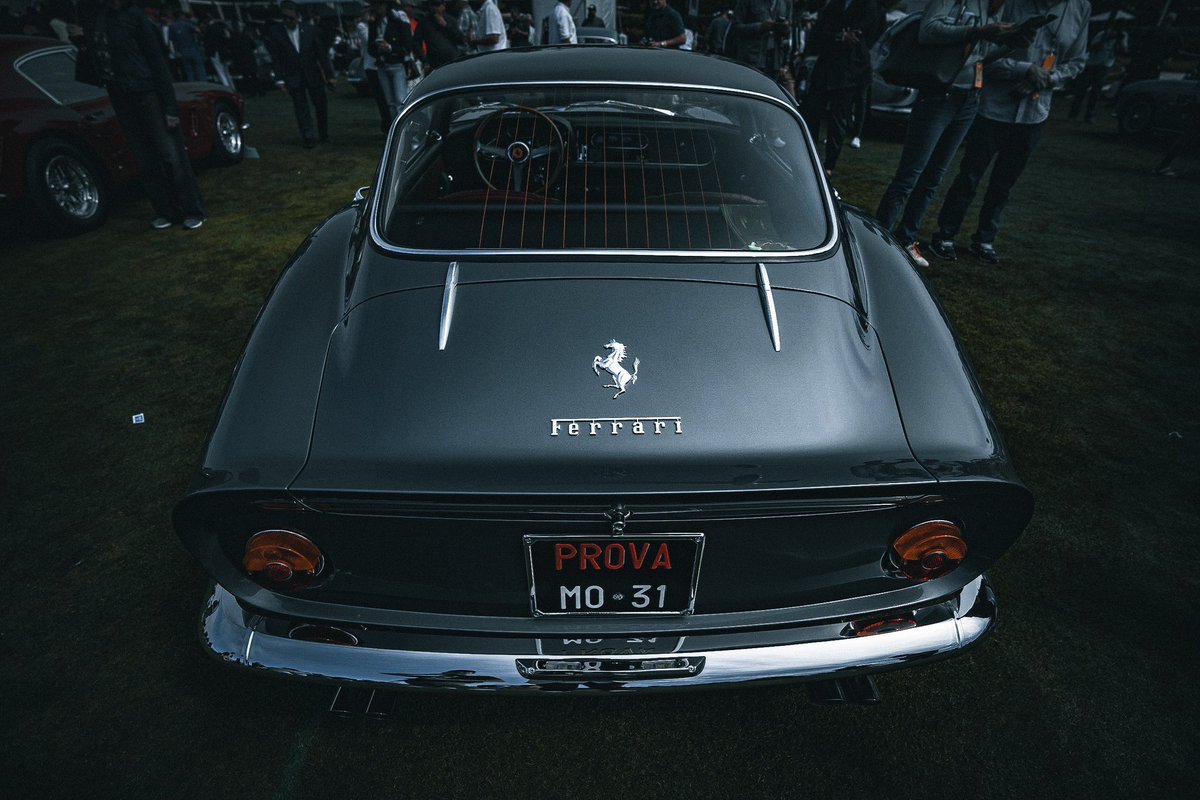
857,689
351,701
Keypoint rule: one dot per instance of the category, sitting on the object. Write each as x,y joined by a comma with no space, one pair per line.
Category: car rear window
54,73
571,168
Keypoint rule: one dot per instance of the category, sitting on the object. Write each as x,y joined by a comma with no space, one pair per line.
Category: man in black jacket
842,39
126,51
440,35
303,70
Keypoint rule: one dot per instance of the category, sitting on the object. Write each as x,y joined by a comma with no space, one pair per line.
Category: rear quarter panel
262,431
949,426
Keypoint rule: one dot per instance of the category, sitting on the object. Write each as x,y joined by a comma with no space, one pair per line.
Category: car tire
68,193
228,145
1135,117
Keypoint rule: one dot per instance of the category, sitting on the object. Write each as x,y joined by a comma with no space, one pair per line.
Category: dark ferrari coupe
599,387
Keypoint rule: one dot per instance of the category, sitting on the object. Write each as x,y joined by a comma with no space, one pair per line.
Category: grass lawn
1085,338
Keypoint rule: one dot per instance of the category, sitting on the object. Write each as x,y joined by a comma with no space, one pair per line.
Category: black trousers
371,76
838,105
301,94
1010,144
166,172
1088,86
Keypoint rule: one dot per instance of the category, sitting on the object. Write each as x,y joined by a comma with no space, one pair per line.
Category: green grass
1085,339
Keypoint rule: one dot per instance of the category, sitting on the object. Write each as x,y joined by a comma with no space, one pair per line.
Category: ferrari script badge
612,364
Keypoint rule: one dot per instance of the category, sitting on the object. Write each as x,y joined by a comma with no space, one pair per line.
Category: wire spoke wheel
229,133
72,187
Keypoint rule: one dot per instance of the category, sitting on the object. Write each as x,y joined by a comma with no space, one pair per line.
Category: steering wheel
510,142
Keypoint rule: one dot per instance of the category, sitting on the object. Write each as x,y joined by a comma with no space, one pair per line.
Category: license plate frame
629,575
610,647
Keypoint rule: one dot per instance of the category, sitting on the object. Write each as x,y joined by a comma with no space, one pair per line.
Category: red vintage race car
62,151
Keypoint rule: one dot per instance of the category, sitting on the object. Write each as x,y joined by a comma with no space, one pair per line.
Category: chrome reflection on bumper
236,636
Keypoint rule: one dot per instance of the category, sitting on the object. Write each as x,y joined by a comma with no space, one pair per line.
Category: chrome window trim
721,255
68,49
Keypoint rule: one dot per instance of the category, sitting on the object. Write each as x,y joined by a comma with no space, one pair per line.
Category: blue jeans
193,68
938,125
393,80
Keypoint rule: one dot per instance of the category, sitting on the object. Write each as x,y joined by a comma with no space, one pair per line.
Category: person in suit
842,39
303,70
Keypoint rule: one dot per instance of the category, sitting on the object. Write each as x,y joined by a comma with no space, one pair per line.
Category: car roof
13,47
598,63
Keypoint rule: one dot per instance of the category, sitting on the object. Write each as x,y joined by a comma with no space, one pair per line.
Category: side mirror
362,193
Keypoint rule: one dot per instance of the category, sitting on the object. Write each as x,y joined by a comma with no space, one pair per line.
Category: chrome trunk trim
768,301
448,295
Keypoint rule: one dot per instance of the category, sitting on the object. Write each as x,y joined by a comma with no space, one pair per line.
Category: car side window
54,74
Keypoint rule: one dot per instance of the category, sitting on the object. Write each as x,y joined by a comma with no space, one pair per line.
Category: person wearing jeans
392,46
1013,108
940,120
127,51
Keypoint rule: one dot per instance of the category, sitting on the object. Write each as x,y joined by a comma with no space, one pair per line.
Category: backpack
903,61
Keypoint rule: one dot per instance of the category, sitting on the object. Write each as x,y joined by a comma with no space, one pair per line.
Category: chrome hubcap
229,133
72,187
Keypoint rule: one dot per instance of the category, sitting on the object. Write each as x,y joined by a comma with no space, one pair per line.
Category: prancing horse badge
612,364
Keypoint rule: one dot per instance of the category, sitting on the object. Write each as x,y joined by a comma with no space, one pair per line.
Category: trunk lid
513,403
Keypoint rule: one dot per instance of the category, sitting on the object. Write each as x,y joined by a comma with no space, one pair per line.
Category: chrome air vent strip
448,304
768,301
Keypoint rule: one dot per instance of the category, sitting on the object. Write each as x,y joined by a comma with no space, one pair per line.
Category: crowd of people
995,108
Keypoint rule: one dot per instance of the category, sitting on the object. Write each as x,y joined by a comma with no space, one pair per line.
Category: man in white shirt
562,29
489,31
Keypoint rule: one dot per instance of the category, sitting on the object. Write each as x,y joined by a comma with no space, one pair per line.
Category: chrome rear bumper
239,636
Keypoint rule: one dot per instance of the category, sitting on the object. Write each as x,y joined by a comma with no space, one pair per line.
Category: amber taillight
929,550
282,560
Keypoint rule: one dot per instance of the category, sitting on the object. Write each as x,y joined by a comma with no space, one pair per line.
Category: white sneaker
914,253
856,143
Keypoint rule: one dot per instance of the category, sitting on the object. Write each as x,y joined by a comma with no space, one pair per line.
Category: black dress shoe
984,251
943,249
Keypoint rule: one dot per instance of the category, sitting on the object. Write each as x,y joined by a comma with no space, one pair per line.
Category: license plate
622,646
624,575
